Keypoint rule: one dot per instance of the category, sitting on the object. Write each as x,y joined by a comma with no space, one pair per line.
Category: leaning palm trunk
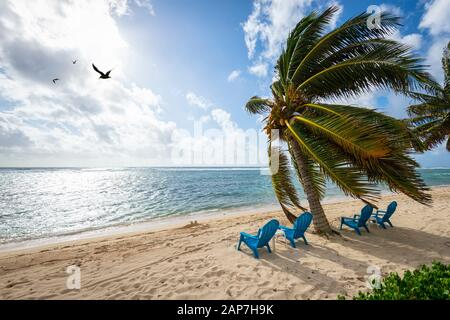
320,221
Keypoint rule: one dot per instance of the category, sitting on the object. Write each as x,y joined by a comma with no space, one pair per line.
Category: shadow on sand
398,245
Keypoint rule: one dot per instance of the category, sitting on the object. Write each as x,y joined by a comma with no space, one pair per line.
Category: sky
182,71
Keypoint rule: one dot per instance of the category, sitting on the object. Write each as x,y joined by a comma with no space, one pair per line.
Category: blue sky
177,65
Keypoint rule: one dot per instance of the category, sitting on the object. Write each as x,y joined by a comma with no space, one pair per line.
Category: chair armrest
356,216
348,218
249,235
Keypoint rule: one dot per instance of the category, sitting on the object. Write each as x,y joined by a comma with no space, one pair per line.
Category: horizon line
155,166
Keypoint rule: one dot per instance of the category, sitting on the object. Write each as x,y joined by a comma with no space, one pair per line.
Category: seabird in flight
102,75
54,80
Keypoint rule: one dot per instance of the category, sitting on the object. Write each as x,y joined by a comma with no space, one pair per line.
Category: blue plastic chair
358,221
300,225
261,239
382,217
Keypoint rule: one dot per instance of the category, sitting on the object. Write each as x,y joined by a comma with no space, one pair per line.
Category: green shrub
421,284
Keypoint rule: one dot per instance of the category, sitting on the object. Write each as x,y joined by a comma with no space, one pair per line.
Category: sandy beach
200,261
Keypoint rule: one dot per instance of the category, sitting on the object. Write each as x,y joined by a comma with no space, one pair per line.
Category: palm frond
436,132
436,108
300,42
363,141
282,183
398,172
257,105
353,31
350,60
363,74
348,178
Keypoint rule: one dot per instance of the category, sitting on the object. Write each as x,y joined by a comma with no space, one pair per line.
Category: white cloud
198,101
81,120
223,118
122,7
146,4
436,20
436,17
414,40
268,25
225,144
434,57
259,69
367,99
252,29
234,75
205,119
391,9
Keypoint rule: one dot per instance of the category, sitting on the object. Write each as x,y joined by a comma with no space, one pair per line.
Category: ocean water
42,203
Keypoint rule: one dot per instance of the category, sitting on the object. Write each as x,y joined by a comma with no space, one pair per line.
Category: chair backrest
301,224
267,232
366,212
390,210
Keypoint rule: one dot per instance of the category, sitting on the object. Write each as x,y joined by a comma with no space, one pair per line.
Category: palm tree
356,148
431,118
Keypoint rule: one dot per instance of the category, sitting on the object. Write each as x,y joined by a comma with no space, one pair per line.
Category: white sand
200,262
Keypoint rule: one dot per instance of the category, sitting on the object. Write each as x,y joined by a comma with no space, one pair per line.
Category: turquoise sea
40,203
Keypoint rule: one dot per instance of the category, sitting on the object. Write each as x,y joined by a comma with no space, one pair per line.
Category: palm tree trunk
320,221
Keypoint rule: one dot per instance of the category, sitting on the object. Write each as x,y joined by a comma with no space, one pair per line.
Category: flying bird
74,61
54,80
102,75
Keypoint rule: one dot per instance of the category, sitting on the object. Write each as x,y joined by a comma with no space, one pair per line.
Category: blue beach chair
358,221
382,217
298,231
261,239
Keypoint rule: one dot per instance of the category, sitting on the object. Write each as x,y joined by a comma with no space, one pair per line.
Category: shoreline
200,261
160,224
154,225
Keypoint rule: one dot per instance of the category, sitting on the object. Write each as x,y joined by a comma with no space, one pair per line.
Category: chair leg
342,221
255,253
382,225
357,231
292,241
367,229
239,244
268,248
390,223
304,239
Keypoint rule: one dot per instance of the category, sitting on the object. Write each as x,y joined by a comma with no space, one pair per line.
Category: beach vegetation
425,283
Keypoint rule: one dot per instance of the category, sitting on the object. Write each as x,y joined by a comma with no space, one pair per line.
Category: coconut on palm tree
431,117
356,148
